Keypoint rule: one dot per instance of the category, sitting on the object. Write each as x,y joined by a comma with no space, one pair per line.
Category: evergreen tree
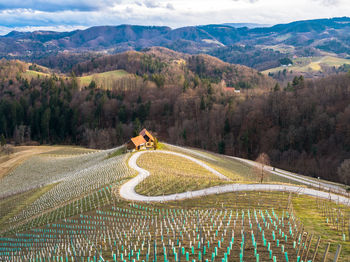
137,127
45,123
276,88
2,140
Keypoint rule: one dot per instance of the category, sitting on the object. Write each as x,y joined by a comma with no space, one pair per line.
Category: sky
67,15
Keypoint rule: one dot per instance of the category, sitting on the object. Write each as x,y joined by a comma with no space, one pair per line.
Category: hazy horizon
68,15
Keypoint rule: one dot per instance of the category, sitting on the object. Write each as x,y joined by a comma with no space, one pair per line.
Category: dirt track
22,153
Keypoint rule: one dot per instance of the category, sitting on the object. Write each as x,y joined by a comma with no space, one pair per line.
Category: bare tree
7,149
262,160
344,171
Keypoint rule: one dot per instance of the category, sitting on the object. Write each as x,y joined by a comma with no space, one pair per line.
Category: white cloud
60,28
170,6
151,4
330,2
57,5
174,13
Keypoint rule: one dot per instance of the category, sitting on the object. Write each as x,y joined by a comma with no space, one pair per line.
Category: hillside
301,38
187,100
176,68
79,197
309,67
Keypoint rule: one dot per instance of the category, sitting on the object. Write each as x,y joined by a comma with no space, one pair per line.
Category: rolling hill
82,198
303,37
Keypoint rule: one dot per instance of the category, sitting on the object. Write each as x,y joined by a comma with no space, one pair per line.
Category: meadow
310,64
104,80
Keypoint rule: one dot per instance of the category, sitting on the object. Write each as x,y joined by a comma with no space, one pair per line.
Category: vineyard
174,174
68,208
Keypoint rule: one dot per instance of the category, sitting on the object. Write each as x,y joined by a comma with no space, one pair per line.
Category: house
143,141
137,143
148,137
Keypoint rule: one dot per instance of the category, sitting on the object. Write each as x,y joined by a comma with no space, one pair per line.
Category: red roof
145,132
138,140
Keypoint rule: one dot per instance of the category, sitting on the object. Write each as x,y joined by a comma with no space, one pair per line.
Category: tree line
303,127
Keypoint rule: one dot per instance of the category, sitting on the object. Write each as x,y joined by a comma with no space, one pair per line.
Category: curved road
127,190
291,176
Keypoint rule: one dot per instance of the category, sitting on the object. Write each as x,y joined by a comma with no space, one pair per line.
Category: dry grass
22,153
173,174
308,64
11,206
105,80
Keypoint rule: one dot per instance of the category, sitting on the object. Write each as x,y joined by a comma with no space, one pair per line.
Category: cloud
32,14
57,5
330,2
250,1
170,6
151,4
5,30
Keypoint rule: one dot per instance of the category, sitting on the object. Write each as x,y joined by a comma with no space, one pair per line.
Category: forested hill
165,66
303,127
261,48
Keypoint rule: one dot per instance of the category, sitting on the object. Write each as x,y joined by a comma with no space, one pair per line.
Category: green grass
307,210
173,174
104,80
29,74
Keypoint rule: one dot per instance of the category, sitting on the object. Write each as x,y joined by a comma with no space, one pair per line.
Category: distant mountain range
230,42
249,25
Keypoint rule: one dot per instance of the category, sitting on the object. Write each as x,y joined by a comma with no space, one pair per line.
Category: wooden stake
326,253
337,254
308,247
316,248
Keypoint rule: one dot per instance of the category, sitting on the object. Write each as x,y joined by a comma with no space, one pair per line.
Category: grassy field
173,174
30,74
105,80
309,211
309,64
235,170
281,48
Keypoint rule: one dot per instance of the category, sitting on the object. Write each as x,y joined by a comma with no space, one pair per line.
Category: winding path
127,190
291,176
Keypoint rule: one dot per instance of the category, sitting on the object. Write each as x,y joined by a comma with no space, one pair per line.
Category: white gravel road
127,190
294,177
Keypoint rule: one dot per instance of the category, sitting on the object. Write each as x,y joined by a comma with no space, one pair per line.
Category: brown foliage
263,160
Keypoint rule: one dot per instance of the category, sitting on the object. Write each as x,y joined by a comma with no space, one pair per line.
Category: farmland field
102,80
68,208
105,79
30,74
308,64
